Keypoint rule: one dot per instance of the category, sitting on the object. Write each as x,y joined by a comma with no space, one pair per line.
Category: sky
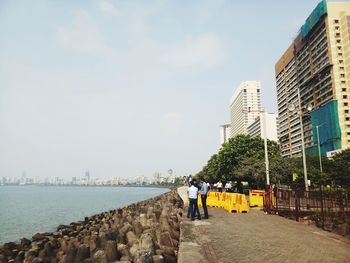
126,88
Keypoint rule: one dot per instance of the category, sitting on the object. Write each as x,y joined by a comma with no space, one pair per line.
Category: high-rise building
317,63
224,133
245,106
257,127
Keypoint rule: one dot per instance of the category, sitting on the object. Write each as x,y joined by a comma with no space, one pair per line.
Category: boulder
100,257
70,255
102,237
111,250
123,250
2,259
83,252
158,259
25,243
131,238
138,229
37,260
143,257
166,240
147,244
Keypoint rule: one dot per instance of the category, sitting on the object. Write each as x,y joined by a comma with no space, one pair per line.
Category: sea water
26,210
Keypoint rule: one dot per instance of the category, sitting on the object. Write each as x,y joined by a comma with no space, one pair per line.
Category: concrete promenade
256,237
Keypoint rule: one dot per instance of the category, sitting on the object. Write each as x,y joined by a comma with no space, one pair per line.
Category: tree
340,168
241,158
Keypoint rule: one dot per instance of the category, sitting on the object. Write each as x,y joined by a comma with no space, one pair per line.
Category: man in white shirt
193,197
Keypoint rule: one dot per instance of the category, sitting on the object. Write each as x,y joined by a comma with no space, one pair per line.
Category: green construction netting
319,11
326,117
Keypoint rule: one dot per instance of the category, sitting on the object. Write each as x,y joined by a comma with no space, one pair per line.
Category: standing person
193,196
189,180
204,192
197,209
219,185
228,187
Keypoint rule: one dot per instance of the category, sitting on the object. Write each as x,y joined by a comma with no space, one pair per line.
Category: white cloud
108,8
205,50
83,36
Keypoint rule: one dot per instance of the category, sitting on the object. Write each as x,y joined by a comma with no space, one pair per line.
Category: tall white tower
245,106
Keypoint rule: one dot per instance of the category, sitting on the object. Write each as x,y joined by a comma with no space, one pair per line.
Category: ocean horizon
30,209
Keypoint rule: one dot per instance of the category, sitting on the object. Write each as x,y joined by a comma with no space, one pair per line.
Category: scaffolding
317,13
326,118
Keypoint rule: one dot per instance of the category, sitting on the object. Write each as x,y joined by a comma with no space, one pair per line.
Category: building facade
225,131
257,127
317,64
245,106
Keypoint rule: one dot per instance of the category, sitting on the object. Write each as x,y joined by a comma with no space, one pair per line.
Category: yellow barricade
217,199
225,200
199,200
256,198
231,202
211,199
242,204
231,205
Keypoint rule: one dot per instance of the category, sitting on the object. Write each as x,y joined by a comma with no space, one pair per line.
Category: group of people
193,191
203,188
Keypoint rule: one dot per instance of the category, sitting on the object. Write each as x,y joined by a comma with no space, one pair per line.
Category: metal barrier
324,205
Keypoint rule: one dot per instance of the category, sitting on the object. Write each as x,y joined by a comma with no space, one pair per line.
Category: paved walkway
256,237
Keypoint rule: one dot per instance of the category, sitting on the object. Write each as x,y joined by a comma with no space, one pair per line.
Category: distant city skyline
126,88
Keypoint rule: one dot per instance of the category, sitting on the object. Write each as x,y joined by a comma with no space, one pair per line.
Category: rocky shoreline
147,231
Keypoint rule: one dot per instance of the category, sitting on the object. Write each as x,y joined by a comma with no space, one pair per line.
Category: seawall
147,231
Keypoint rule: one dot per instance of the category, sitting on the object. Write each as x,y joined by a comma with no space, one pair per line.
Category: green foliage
242,158
340,168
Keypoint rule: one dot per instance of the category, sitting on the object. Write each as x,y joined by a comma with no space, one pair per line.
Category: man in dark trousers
193,198
204,193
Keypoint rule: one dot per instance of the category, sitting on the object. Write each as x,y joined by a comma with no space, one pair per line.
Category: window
343,89
336,21
347,118
258,90
345,96
345,104
346,111
342,75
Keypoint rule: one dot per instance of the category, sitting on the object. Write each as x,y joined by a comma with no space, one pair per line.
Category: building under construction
317,63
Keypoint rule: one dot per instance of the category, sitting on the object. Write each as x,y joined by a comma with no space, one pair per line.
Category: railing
325,206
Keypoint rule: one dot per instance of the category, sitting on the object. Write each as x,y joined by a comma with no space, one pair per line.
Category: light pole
292,108
266,152
319,146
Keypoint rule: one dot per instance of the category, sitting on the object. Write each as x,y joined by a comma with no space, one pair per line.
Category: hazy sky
126,88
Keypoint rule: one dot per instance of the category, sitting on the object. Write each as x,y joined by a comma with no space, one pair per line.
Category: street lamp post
291,108
319,146
266,152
